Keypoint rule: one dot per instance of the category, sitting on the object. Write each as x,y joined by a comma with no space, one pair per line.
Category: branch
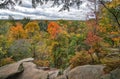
115,16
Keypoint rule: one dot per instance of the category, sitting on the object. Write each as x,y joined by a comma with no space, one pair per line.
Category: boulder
61,77
26,60
115,74
86,72
26,69
10,70
31,72
66,71
53,73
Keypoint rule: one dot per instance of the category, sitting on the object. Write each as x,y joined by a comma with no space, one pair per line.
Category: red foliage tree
92,39
53,29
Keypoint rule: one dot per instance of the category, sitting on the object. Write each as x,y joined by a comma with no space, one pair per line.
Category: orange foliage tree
17,32
116,38
53,29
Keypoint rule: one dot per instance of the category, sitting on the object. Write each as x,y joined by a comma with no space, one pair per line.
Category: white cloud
47,12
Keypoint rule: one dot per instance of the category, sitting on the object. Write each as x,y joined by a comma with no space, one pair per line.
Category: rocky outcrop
86,72
62,77
12,69
115,74
66,71
31,72
26,69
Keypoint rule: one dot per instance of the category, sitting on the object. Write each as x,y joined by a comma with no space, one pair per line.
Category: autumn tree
92,40
4,45
32,28
53,29
110,22
4,27
33,32
20,49
113,8
17,32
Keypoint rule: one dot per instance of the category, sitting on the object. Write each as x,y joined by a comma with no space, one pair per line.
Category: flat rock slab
86,72
11,69
31,72
62,77
26,69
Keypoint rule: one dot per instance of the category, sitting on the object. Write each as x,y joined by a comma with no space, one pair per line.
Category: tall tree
17,32
113,8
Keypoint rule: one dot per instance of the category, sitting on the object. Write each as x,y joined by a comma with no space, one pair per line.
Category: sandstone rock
66,71
12,69
115,74
31,72
26,69
26,60
83,72
61,77
86,72
53,74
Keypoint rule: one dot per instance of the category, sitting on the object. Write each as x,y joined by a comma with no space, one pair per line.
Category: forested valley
64,44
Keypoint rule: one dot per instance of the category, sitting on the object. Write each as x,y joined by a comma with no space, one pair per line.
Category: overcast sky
47,12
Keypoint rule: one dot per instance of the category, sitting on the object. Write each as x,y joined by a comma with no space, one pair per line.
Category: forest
64,43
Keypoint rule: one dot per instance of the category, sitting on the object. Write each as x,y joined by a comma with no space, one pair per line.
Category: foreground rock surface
86,72
12,69
31,72
25,69
115,74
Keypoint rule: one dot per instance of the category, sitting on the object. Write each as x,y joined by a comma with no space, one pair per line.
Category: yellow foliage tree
32,28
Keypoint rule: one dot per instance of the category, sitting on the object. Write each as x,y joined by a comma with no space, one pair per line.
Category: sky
46,12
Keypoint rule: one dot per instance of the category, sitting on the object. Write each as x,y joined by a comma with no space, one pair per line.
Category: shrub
42,63
20,49
111,64
5,61
80,58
